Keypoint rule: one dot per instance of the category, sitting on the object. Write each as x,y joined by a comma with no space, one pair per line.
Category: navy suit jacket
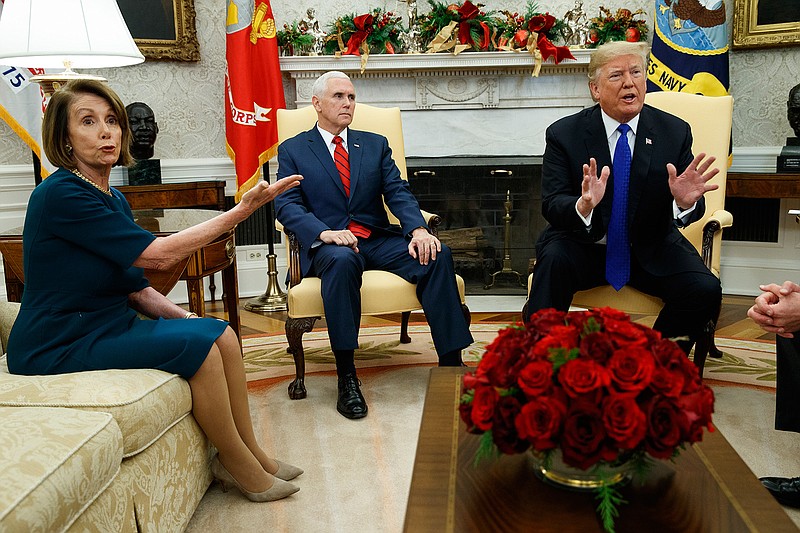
320,203
661,138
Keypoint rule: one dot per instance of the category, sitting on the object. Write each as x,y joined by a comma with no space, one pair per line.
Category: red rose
544,319
631,369
582,376
583,435
667,352
667,382
567,336
666,424
625,333
624,421
504,358
540,422
541,350
699,406
504,432
483,404
597,346
536,378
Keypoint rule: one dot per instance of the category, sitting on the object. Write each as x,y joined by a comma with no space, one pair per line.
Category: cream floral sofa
108,451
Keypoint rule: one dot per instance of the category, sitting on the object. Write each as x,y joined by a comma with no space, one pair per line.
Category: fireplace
454,106
491,211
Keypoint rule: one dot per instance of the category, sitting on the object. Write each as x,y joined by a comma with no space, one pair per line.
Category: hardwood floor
733,321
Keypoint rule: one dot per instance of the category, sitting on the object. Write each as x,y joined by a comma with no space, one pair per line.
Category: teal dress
78,249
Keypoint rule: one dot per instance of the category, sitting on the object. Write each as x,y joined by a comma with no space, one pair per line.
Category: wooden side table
219,255
762,185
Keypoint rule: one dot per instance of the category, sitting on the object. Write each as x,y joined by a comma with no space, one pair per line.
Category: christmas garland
476,29
622,26
375,32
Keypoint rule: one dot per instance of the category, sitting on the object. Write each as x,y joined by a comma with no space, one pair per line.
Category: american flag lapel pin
356,145
647,140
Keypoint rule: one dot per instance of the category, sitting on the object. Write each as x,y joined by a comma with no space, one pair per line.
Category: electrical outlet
254,256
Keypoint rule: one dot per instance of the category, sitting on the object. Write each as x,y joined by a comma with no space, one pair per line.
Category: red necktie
343,166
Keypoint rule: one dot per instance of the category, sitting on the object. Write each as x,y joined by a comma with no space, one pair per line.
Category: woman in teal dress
84,283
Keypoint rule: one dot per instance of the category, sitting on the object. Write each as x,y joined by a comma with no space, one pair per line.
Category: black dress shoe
785,489
351,403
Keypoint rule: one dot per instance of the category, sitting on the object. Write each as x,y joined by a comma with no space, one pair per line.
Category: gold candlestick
506,270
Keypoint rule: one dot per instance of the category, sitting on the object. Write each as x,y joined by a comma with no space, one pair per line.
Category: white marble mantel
479,103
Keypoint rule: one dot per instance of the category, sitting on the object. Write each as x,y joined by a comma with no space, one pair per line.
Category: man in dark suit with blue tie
615,219
338,216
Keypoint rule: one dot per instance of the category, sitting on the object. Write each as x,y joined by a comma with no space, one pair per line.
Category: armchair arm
295,272
433,220
716,222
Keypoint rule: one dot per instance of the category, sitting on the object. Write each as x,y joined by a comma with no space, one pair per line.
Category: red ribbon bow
541,24
364,25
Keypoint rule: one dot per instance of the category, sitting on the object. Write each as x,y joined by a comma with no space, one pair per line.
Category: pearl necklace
90,182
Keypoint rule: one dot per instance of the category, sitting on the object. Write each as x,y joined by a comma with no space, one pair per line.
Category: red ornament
521,38
632,35
594,36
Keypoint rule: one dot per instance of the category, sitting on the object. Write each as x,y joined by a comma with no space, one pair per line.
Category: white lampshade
64,34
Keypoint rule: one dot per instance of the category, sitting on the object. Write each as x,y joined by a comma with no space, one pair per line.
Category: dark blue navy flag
690,48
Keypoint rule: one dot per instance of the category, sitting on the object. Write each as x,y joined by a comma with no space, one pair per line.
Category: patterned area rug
744,362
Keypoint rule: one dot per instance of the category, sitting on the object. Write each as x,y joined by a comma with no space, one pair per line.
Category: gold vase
556,472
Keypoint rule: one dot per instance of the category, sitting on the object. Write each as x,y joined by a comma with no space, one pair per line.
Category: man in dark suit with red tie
618,180
338,216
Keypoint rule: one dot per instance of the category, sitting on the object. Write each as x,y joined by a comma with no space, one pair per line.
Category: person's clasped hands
777,309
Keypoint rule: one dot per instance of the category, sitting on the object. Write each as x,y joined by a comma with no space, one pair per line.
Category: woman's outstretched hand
264,193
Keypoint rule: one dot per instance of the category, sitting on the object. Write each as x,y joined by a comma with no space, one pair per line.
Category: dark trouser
691,298
340,270
787,393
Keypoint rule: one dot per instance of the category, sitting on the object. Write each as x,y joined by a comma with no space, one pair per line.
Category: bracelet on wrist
190,314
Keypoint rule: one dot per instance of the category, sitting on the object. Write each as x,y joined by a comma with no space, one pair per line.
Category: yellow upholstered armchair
381,292
710,119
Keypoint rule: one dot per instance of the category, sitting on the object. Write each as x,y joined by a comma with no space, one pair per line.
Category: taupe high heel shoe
286,471
279,490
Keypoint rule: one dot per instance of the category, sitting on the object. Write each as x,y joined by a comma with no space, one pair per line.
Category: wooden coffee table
707,489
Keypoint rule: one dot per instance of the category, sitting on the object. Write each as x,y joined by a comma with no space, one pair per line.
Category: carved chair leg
703,345
404,337
295,328
713,351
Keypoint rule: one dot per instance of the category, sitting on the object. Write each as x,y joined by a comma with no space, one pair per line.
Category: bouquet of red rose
593,385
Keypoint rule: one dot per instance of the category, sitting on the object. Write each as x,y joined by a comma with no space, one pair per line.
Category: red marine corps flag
253,89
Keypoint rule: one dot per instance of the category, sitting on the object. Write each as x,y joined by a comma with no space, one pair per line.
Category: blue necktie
618,249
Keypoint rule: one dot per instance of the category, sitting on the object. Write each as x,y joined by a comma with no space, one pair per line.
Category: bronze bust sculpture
144,130
789,158
793,109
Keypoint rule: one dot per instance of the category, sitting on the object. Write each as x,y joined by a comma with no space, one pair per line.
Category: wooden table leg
197,302
230,295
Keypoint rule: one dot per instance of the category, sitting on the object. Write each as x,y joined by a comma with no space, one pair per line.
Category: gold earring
69,148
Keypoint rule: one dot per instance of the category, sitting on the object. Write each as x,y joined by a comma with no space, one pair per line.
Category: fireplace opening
491,211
